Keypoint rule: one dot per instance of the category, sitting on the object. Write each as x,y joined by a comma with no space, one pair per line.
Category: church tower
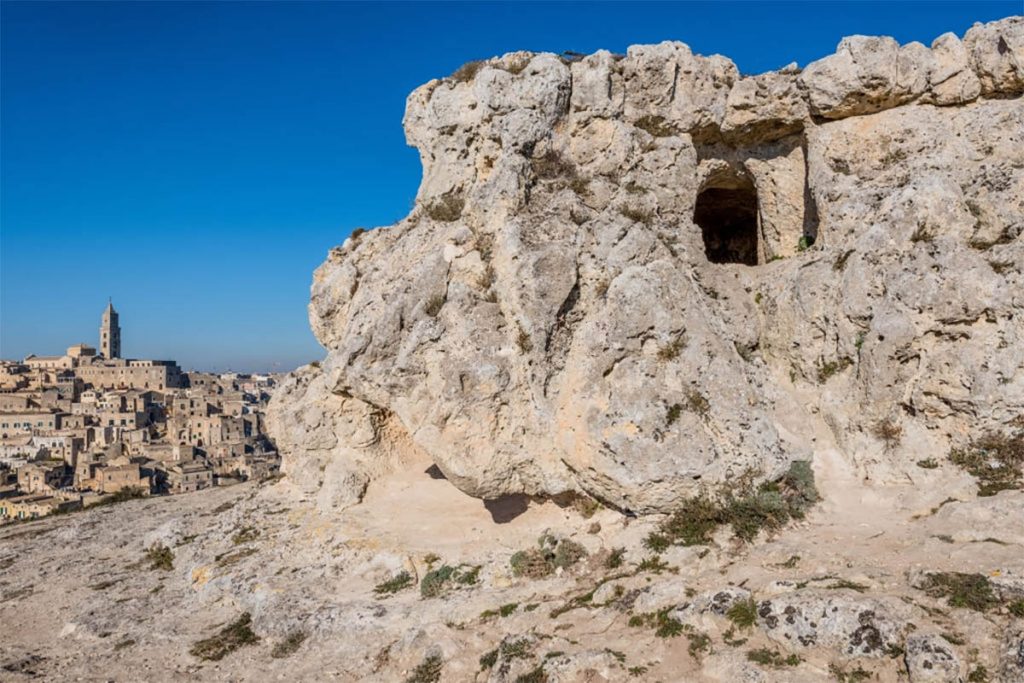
110,333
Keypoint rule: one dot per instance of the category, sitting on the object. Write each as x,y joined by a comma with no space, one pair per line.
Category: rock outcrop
639,277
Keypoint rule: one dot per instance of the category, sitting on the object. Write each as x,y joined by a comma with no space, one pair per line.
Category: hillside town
90,427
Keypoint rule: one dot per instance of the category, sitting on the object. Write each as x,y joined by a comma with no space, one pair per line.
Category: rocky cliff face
639,277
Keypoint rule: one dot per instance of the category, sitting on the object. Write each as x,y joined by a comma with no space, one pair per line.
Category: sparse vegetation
468,71
699,644
995,460
523,341
656,126
233,636
922,234
637,214
289,646
664,625
928,464
672,349
433,305
398,582
842,675
697,403
827,369
804,243
841,584
969,591
440,580
747,509
228,559
615,558
160,557
552,165
888,431
673,413
743,613
446,208
772,658
427,671
979,674
245,535
549,555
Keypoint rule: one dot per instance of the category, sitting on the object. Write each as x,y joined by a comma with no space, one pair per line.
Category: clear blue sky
196,161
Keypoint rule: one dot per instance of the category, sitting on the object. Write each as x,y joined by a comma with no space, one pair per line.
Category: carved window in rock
727,214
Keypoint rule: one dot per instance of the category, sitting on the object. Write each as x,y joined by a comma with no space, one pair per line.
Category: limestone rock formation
639,277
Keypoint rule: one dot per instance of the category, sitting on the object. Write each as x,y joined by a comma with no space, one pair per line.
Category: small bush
746,509
233,636
888,431
398,582
699,644
697,403
928,464
289,646
804,243
664,625
772,658
615,558
447,208
995,459
673,414
656,126
969,591
743,613
550,554
523,341
160,557
636,214
434,305
427,671
468,71
827,370
671,350
515,66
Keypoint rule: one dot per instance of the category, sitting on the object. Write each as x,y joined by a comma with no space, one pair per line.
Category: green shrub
398,582
615,558
969,591
928,464
743,613
551,554
747,509
772,658
995,460
673,413
827,370
697,403
427,671
233,636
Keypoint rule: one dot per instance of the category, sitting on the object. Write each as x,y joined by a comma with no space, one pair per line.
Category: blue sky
196,161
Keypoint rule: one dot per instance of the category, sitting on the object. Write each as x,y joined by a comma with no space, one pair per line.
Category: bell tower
110,333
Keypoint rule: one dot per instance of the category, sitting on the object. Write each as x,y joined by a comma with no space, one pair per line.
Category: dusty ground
79,601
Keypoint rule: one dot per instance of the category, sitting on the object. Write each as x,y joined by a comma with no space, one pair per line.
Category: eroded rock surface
638,277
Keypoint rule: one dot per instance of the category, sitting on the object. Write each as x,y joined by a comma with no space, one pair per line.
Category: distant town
92,427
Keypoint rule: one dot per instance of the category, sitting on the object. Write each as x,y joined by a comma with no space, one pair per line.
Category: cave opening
728,221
